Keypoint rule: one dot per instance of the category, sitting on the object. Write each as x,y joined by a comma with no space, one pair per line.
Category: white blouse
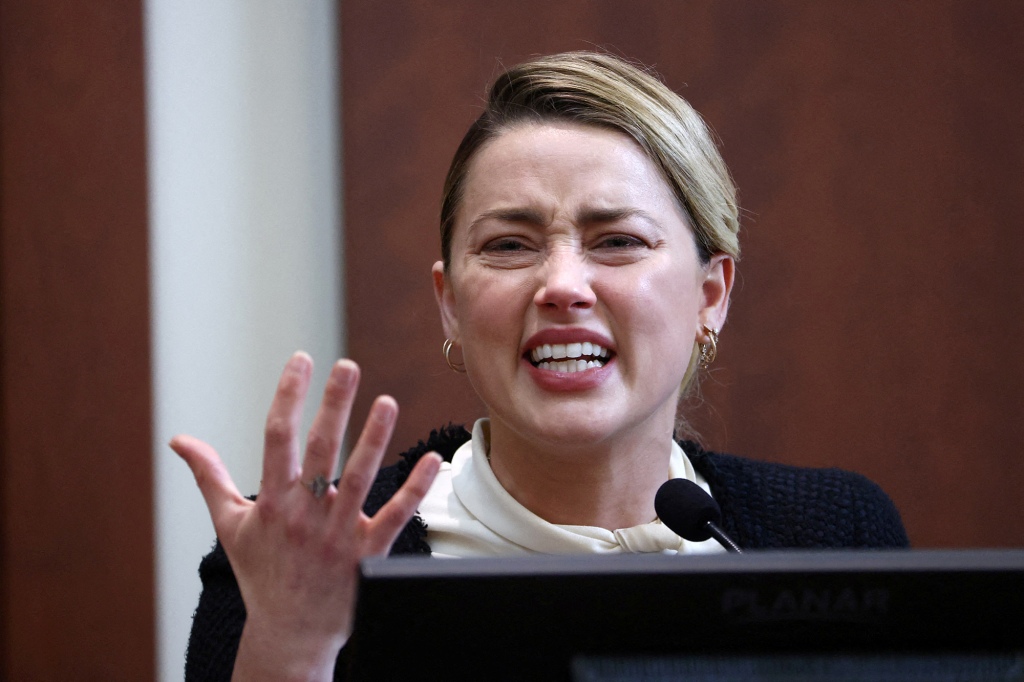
469,514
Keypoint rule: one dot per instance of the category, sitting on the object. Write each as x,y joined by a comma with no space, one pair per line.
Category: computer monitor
790,615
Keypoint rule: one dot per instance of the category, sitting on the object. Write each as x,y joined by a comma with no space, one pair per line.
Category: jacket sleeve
217,623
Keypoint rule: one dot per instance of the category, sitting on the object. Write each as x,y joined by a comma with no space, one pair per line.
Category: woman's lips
568,350
569,359
570,375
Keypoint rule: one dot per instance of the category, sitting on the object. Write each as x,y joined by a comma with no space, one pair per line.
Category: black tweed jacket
764,506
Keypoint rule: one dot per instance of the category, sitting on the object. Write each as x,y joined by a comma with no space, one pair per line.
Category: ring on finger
318,486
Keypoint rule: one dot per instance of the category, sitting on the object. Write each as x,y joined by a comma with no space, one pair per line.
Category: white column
245,246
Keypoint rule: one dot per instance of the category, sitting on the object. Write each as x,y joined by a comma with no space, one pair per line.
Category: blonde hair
602,90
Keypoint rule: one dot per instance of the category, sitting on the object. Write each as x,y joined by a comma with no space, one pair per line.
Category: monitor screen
565,618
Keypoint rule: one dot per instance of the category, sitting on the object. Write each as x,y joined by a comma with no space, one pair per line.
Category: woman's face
574,287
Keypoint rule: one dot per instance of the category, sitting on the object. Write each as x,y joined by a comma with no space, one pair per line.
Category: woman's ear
716,288
445,301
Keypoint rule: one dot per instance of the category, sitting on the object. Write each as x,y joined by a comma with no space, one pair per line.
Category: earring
446,348
709,349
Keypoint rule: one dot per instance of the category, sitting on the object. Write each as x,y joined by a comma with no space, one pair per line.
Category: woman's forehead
563,165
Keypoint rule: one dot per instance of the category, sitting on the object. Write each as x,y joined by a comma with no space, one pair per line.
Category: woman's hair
605,91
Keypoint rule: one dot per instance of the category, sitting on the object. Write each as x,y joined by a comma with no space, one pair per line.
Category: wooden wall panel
877,147
77,519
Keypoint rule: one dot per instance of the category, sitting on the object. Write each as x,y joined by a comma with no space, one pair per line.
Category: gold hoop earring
446,348
709,349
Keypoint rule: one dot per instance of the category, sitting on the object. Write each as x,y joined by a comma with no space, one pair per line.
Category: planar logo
845,604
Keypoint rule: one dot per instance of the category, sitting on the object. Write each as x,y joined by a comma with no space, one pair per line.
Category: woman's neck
608,485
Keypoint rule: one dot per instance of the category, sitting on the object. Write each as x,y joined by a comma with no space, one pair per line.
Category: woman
589,238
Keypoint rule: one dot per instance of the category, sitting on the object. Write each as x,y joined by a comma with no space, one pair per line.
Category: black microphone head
685,508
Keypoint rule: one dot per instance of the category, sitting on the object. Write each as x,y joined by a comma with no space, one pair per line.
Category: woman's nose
565,283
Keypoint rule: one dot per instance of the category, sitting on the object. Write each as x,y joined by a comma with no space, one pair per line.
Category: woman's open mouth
568,357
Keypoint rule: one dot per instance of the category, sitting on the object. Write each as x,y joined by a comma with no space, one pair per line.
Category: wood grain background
877,148
76,581
876,326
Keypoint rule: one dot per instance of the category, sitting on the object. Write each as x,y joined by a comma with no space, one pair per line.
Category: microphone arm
723,539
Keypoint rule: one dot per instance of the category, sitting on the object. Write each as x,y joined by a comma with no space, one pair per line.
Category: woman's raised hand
295,550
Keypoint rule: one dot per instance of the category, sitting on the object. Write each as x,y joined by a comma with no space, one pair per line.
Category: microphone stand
723,539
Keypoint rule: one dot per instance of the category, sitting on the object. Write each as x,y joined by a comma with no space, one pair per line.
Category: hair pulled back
602,90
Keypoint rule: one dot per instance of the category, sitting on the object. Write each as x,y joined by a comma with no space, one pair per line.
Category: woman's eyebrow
610,215
510,215
586,216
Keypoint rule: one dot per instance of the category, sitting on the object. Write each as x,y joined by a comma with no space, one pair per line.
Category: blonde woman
589,244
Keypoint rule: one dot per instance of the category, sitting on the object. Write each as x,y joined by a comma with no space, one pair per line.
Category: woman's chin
574,425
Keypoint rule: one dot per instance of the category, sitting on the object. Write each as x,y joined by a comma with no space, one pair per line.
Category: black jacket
764,506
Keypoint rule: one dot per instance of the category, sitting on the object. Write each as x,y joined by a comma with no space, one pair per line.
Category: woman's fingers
295,556
281,458
324,442
281,437
212,477
387,523
361,467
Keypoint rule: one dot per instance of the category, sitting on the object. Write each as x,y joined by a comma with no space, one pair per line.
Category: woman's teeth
569,357
569,365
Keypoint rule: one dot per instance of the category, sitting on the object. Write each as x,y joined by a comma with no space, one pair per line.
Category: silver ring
318,486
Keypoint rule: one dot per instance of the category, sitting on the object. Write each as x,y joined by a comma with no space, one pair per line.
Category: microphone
691,513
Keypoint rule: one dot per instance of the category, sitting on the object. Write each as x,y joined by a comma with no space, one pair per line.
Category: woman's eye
619,241
506,245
